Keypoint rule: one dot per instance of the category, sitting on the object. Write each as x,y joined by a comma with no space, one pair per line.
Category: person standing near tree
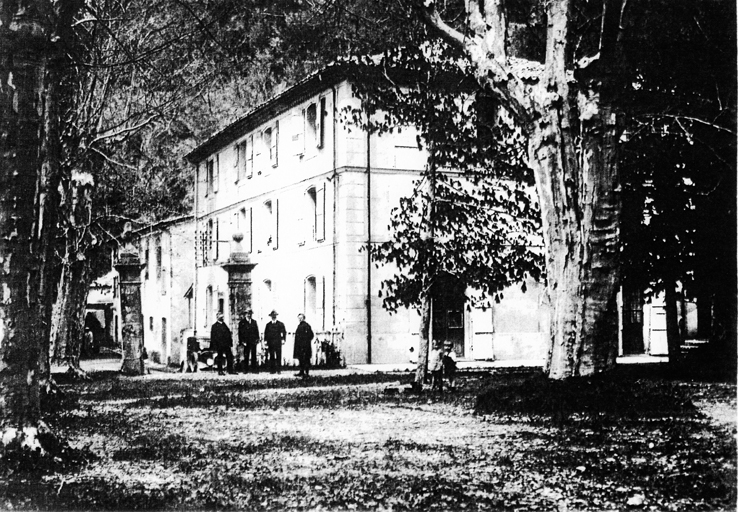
248,339
221,341
274,336
303,346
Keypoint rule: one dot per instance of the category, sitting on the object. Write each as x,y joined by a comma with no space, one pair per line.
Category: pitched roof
314,82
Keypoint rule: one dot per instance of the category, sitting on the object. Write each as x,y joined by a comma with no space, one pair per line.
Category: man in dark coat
248,339
221,342
274,335
303,346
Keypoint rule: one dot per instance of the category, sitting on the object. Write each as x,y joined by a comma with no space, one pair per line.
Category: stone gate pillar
239,269
129,269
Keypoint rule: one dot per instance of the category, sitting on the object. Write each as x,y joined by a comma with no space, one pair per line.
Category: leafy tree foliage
472,215
679,160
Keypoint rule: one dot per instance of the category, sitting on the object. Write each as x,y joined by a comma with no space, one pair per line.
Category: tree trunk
673,337
71,299
52,169
572,136
572,151
425,320
69,316
23,51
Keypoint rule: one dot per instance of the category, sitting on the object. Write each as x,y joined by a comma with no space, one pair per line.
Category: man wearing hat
221,342
248,339
274,335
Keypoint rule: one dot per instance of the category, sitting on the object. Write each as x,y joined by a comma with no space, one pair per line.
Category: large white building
307,191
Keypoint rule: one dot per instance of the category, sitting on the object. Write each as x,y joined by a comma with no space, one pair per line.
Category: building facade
306,191
166,250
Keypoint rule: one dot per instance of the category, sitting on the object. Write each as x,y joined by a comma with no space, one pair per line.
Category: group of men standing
275,335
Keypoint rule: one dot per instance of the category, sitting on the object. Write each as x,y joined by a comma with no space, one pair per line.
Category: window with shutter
248,241
320,214
258,148
217,240
310,214
216,174
250,156
298,135
320,121
210,171
311,118
274,148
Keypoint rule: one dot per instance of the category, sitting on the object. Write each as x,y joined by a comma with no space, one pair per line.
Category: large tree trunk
52,169
572,133
69,316
23,52
572,152
71,299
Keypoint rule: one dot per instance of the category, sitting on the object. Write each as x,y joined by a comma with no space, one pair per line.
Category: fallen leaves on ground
500,442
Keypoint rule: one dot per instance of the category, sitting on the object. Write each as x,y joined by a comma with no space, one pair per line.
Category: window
315,206
208,245
311,296
146,261
266,226
266,299
208,305
250,156
320,120
298,135
209,176
310,129
240,160
311,124
151,323
216,241
206,242
271,224
221,304
271,144
258,148
245,227
320,214
216,173
213,175
158,259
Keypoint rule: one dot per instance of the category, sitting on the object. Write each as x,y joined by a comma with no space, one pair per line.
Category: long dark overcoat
220,337
303,341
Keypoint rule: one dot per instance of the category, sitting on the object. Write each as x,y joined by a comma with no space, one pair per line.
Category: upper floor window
146,261
320,129
209,242
158,259
311,123
315,212
240,161
309,126
271,224
244,226
249,156
213,172
271,144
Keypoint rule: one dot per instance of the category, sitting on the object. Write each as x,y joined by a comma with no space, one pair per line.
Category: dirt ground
348,442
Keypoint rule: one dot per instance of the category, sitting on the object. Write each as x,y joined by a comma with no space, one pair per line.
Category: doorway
448,313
